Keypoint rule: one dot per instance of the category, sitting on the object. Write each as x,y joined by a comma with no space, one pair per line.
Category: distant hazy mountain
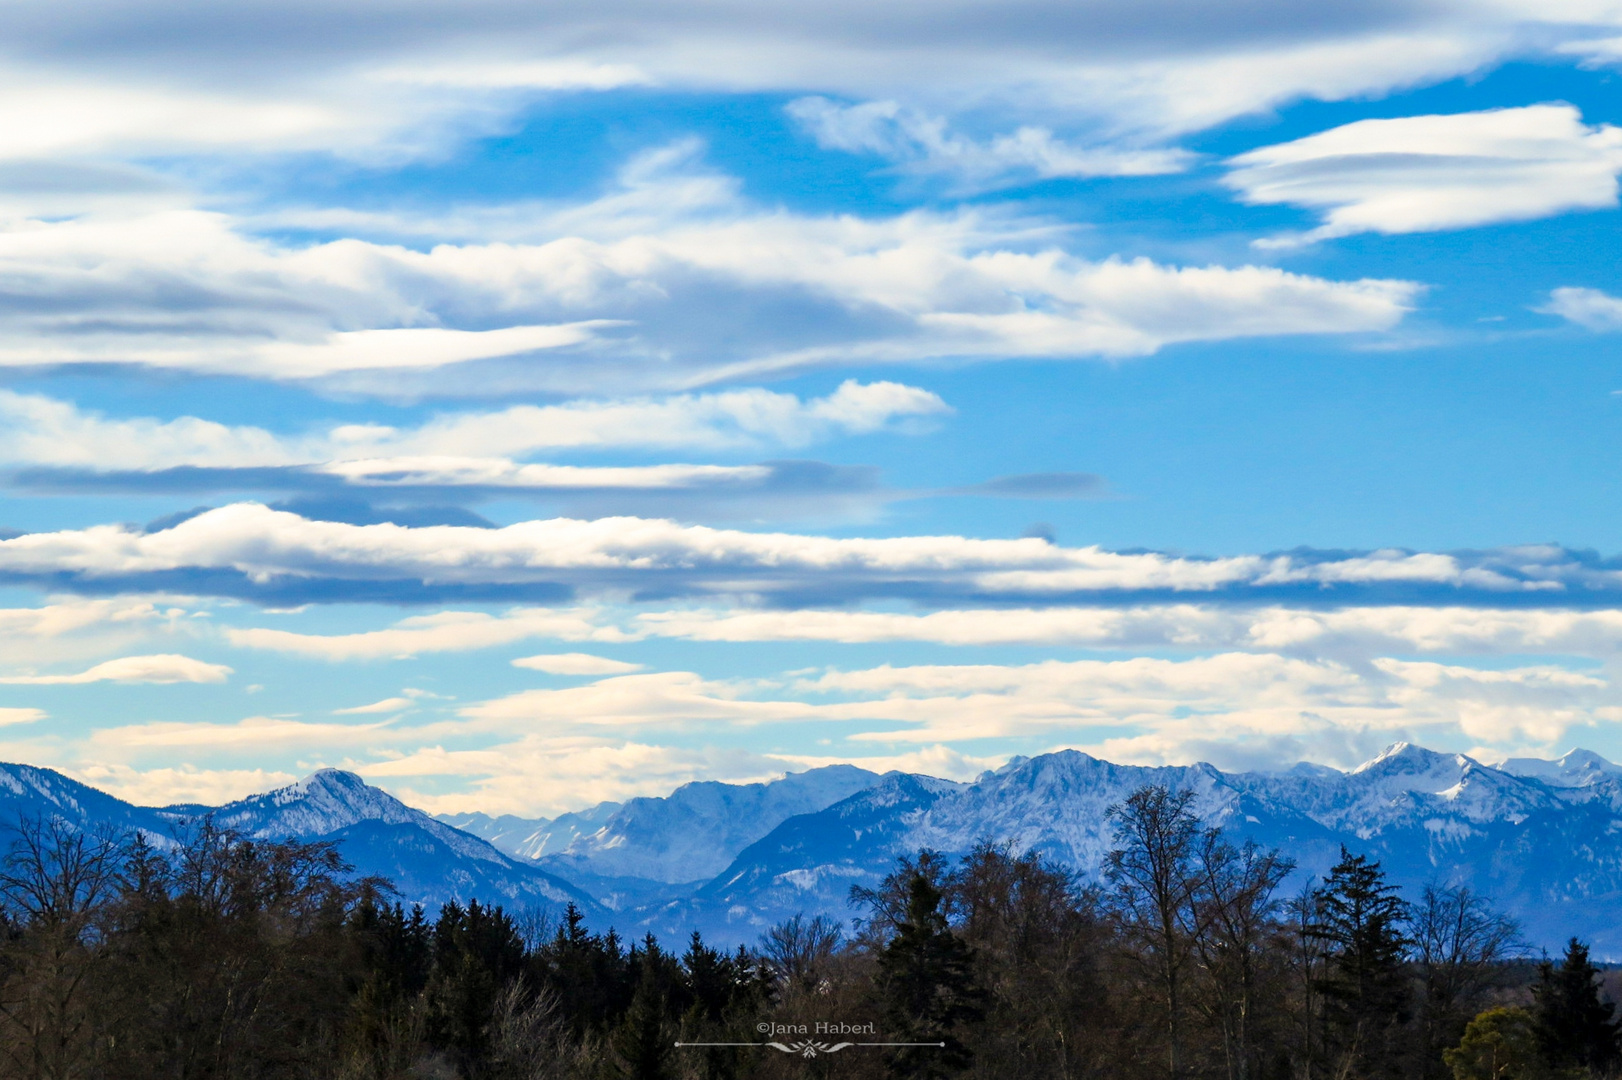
689,836
531,838
1542,839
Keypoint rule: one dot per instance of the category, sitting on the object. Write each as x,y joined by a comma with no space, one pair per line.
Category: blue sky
525,410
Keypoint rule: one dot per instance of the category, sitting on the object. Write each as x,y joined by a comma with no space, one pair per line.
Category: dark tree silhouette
1361,921
1575,1028
1152,869
927,984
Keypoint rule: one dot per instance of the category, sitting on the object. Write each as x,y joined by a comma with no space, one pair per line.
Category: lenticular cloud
251,549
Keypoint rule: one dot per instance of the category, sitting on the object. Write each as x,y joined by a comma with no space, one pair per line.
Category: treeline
222,957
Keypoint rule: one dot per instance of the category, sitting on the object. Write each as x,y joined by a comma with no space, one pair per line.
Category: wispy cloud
166,668
189,290
480,447
1426,173
922,144
1588,308
170,784
445,631
1340,632
387,705
575,664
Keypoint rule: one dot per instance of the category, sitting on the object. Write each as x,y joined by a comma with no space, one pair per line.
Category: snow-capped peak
329,781
1406,757
1575,769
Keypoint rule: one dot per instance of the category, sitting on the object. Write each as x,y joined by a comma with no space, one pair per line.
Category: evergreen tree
1574,1027
926,981
478,952
1361,921
645,1041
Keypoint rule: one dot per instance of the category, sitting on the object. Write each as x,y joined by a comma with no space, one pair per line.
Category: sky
527,405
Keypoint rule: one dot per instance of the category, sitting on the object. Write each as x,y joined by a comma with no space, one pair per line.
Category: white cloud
731,418
653,699
1588,308
575,664
387,705
253,735
472,446
68,615
40,430
9,716
166,786
366,350
619,282
923,144
445,631
271,548
1426,173
550,750
287,76
1600,52
1351,631
500,472
166,668
1264,704
70,630
534,75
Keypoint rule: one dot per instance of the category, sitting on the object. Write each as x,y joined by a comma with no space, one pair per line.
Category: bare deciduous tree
1236,906
1457,938
54,882
797,949
1152,869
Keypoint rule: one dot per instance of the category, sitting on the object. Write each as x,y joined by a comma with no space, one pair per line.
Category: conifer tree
1361,921
645,1041
1575,1028
926,980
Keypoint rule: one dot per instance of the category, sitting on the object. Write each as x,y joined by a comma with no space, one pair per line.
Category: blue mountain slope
1550,856
428,861
616,849
27,791
807,863
1543,840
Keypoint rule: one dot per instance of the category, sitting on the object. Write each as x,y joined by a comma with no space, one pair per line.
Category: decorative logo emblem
809,1049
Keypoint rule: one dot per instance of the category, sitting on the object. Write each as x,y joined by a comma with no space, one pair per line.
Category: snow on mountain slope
692,834
30,792
1406,786
428,861
1055,804
807,863
1542,840
1578,768
1429,817
530,838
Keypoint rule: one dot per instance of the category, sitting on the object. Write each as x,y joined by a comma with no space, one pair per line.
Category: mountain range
1542,839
